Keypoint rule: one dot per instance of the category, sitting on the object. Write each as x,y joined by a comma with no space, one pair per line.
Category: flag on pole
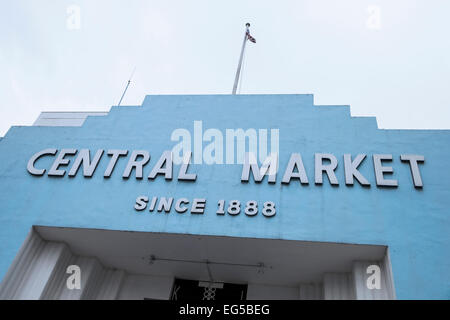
249,37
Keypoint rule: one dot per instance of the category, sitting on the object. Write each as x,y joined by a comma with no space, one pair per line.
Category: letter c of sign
30,167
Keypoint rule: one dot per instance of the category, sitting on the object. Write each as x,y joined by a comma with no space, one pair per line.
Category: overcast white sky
389,59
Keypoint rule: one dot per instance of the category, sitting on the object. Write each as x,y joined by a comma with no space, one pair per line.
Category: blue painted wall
414,223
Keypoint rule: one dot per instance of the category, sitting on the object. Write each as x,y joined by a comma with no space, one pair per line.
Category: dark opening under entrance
203,290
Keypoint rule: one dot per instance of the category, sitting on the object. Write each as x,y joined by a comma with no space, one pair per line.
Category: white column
39,272
311,292
368,270
338,286
111,285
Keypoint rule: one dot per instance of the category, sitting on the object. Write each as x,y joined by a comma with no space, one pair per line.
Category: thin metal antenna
126,88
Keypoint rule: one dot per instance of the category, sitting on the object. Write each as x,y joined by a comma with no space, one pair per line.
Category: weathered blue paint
414,223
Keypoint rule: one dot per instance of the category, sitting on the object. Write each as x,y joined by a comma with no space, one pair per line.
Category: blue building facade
411,218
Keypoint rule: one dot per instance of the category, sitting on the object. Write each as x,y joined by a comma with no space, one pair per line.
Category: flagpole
238,72
126,88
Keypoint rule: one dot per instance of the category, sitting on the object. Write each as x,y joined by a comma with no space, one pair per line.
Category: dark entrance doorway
202,290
